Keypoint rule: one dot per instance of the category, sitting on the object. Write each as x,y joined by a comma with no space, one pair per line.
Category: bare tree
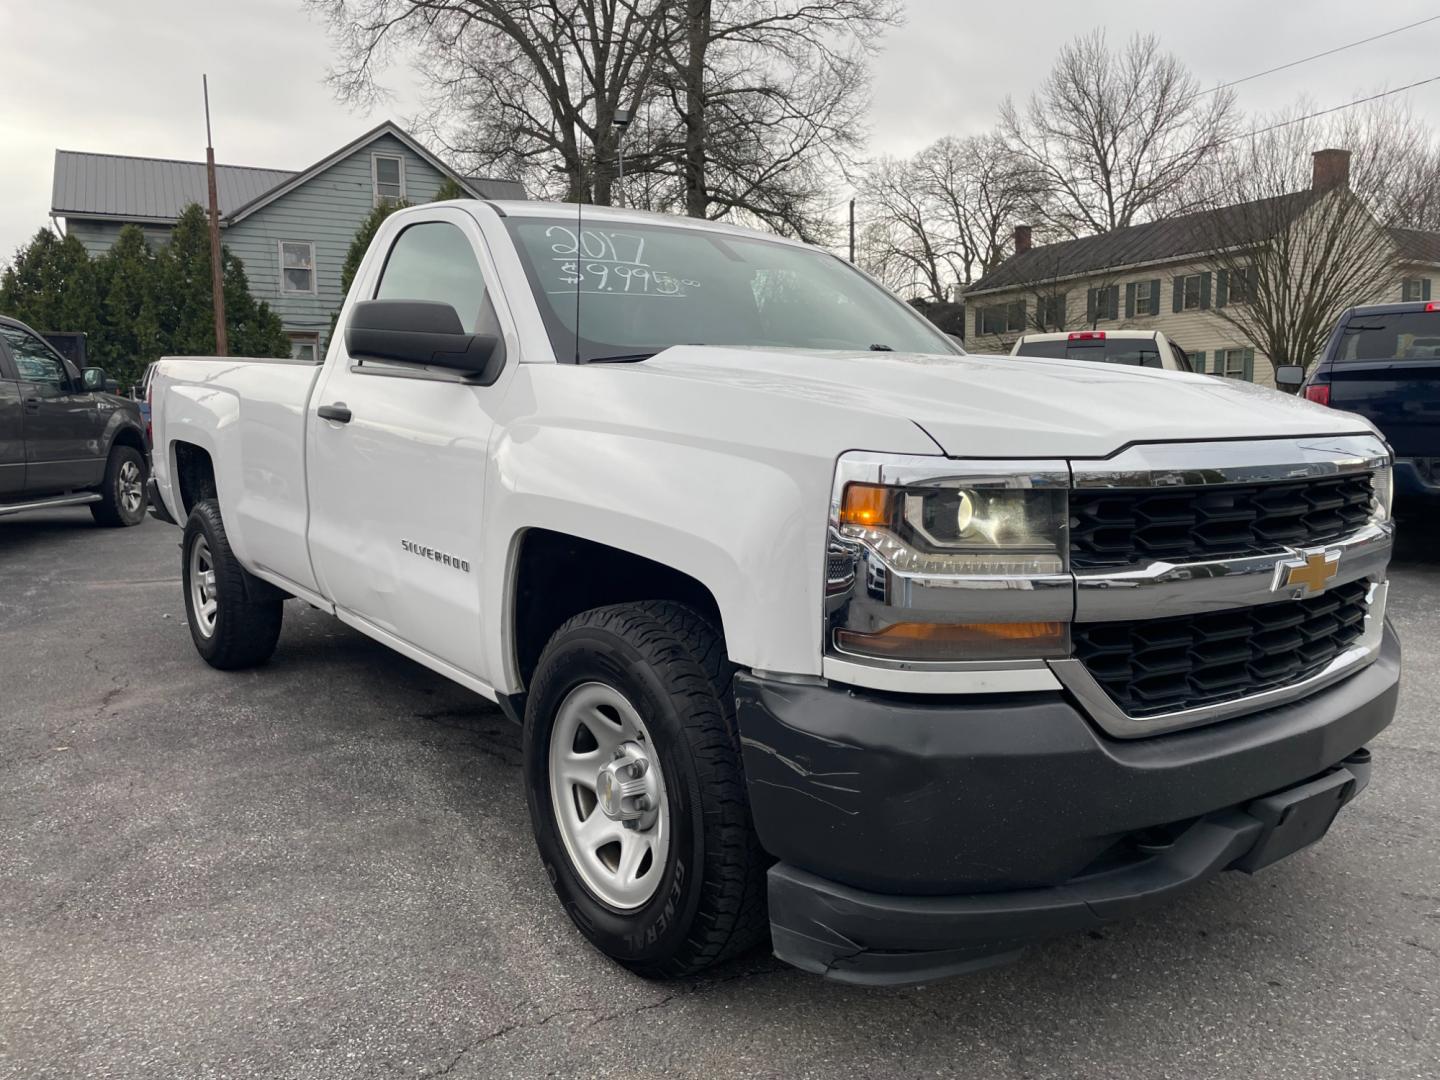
539,80
1297,239
1115,135
945,217
904,242
745,108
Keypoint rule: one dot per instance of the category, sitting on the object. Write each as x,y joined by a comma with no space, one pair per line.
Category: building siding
326,211
99,236
1194,331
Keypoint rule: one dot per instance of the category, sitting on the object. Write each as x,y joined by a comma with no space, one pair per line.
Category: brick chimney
1332,169
1022,239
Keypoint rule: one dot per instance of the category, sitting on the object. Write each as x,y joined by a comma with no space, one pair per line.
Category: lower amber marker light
958,641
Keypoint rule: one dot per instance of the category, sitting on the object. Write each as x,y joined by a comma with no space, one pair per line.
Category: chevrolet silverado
816,627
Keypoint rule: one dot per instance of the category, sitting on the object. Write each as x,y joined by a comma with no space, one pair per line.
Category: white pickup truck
816,626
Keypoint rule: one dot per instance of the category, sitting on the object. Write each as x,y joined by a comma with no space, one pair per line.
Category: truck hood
995,406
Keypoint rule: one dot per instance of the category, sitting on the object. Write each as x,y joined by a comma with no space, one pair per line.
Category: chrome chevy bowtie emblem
1307,574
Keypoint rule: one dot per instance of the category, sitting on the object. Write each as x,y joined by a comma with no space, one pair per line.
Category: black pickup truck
1383,362
64,439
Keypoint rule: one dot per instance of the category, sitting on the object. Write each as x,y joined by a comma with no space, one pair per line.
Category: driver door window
35,363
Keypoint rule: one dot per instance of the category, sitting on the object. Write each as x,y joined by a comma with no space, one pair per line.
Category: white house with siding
1155,277
291,229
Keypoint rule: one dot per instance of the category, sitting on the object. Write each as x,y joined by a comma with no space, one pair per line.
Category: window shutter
1197,361
1222,287
1249,365
1058,310
1205,290
1425,288
1179,296
1114,301
1154,297
1130,300
1090,306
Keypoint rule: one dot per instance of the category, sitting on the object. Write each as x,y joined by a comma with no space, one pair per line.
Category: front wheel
234,617
122,494
636,793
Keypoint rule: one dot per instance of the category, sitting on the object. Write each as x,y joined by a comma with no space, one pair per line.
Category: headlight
933,561
958,529
1383,484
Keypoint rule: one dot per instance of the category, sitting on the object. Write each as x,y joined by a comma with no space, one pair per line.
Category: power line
1317,56
1327,112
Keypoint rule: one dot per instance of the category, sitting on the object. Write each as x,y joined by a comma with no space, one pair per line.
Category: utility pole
621,121
217,275
852,230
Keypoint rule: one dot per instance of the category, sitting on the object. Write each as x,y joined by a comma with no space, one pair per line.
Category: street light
621,121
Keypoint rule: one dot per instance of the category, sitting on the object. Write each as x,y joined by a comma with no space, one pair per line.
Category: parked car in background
936,654
1383,362
1133,348
65,440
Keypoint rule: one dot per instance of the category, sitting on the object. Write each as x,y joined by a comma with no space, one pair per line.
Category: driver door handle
337,412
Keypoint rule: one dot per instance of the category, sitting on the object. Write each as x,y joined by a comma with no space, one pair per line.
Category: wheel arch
555,575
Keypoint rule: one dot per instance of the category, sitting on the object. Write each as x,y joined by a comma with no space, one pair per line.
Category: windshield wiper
619,358
881,348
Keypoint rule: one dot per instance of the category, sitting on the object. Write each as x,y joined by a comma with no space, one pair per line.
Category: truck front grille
1164,665
1125,527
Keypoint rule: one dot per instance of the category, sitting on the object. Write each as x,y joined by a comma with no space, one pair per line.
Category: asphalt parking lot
323,868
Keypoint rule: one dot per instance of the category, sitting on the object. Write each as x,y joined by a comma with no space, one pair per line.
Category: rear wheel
122,494
234,617
636,793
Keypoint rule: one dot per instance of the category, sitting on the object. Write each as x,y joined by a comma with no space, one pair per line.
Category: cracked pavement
324,868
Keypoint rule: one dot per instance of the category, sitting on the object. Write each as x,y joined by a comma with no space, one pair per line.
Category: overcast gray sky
123,76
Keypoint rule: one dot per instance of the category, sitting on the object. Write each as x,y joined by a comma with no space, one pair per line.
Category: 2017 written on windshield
596,261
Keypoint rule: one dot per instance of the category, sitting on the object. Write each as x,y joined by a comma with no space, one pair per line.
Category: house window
1240,285
388,174
1190,292
1001,319
1234,363
1050,312
297,266
1145,298
1415,289
1102,303
305,346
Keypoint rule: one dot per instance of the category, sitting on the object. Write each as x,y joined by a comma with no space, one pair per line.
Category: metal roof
158,189
1137,245
154,189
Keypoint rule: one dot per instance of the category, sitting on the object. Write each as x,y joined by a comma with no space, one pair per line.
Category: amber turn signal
958,641
865,504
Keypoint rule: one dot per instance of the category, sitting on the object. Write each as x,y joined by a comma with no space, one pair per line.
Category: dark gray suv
65,440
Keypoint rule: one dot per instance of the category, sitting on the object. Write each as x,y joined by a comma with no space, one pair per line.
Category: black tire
670,664
248,611
112,510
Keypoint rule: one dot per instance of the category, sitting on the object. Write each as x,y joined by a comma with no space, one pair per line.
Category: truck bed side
241,424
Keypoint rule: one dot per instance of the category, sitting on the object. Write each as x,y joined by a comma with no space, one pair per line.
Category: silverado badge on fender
436,556
1307,575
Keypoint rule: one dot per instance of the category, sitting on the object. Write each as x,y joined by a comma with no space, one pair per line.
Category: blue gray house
291,229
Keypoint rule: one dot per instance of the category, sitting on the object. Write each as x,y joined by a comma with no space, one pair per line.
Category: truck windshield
1407,335
634,289
1134,352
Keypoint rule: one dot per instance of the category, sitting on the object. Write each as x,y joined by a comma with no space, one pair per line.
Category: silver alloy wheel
608,794
204,601
131,489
